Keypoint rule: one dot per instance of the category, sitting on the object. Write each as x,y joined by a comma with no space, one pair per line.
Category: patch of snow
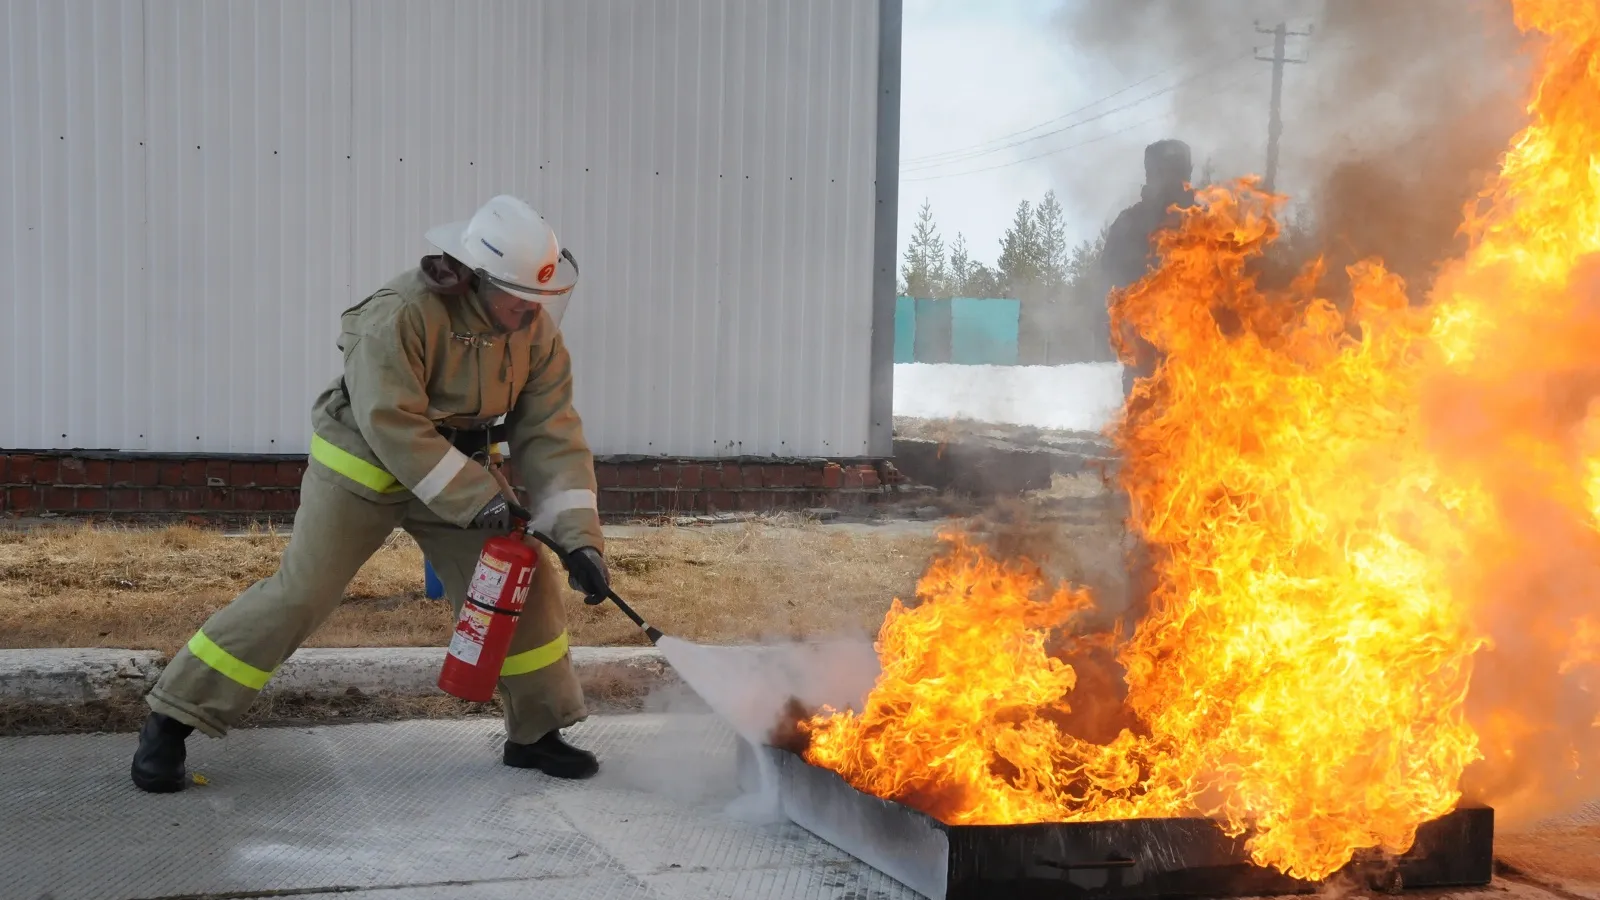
1078,397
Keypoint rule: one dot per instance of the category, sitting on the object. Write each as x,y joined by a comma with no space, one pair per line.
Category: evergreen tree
961,268
924,267
1051,233
983,283
1020,252
1084,261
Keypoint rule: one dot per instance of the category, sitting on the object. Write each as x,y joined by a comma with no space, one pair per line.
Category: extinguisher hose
650,631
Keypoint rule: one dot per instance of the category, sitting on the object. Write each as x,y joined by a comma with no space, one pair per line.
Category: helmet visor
564,278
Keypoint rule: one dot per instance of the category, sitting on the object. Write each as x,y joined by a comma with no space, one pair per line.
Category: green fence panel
966,330
983,332
933,340
905,330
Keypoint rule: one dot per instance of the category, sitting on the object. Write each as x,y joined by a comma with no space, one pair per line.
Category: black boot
552,756
158,763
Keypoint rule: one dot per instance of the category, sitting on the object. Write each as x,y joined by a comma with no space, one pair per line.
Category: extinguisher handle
650,631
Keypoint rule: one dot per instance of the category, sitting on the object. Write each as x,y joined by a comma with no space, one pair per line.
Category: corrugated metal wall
197,188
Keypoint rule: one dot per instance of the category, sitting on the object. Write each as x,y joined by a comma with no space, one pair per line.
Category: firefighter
1128,250
432,361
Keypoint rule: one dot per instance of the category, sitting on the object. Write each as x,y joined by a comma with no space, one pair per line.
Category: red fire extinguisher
495,597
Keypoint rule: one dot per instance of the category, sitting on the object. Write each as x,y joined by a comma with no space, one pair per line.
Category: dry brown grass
756,582
941,430
956,429
109,587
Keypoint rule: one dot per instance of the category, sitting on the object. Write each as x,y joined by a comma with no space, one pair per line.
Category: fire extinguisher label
467,643
486,585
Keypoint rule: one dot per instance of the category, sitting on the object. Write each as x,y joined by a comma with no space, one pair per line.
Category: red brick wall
122,484
118,485
655,487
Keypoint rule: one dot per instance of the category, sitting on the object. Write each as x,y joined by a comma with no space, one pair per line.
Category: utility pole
1280,40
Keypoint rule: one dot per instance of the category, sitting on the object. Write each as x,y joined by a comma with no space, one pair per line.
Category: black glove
499,514
587,574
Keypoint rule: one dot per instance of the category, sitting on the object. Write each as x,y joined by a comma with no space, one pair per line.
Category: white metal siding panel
71,241
249,139
709,162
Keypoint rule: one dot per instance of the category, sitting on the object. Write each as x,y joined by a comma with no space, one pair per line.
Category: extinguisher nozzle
653,633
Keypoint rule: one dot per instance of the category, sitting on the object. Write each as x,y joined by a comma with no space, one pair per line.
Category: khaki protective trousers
1137,555
212,681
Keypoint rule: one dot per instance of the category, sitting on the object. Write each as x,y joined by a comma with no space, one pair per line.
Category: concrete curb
67,677
70,677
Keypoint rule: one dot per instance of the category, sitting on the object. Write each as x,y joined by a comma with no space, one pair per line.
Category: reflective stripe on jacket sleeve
552,506
440,476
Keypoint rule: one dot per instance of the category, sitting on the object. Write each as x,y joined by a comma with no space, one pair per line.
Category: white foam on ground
749,686
761,806
1078,397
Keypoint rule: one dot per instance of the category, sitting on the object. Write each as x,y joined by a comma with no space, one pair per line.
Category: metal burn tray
1119,860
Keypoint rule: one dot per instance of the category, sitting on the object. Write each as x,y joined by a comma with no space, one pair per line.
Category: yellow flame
1349,511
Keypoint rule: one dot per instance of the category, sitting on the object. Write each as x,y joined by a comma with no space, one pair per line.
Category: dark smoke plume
1390,126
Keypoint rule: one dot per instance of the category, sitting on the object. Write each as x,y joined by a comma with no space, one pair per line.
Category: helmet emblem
547,272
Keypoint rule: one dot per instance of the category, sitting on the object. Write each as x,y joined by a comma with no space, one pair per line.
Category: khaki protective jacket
418,356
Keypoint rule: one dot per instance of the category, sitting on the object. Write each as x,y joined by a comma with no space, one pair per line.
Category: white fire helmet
512,247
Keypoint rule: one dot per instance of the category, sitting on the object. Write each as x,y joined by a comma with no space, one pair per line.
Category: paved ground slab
417,811
423,806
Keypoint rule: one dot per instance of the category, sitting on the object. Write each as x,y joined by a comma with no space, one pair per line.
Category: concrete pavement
406,811
423,811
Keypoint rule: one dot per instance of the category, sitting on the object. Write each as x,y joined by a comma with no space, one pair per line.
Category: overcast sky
973,75
1004,99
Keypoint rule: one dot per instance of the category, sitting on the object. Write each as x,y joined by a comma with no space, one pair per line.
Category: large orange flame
1350,513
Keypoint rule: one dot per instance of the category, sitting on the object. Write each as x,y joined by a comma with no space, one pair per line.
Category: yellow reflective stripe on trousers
535,659
207,651
353,467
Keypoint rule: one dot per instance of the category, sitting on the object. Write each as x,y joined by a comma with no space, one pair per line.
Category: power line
929,157
1094,118
1006,165
967,157
917,160
1094,140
